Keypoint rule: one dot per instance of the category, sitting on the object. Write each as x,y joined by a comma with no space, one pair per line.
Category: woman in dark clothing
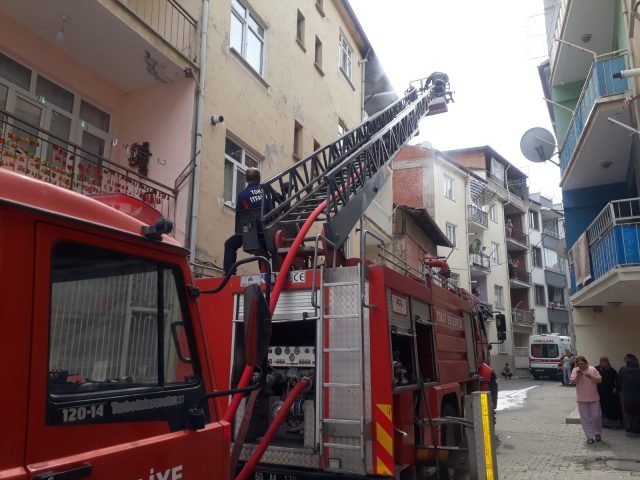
629,384
609,401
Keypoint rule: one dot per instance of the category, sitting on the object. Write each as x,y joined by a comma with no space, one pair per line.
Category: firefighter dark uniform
250,197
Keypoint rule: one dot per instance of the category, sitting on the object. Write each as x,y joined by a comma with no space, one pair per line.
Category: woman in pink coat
586,380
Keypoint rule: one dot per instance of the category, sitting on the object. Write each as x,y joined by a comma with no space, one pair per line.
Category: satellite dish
538,144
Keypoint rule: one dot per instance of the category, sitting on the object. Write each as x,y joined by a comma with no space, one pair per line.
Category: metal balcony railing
520,274
516,235
38,153
551,233
555,31
522,317
170,21
477,215
557,306
480,261
599,83
614,236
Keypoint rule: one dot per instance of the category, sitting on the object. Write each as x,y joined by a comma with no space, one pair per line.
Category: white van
545,354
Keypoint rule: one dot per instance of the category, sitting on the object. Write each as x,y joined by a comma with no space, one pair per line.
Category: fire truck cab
103,351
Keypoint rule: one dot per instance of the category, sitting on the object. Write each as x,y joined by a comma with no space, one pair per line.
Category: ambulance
545,354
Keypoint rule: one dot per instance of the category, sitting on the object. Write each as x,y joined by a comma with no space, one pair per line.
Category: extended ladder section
348,173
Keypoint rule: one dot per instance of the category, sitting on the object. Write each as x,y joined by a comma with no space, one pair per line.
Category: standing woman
586,380
630,385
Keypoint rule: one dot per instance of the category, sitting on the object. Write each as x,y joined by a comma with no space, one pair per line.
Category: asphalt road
534,442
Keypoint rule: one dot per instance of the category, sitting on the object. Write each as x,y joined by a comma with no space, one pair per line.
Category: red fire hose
273,429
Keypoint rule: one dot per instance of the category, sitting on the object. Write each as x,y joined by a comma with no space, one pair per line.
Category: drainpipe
195,188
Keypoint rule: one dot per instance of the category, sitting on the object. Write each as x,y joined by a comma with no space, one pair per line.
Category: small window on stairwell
342,127
451,234
318,54
449,187
298,141
300,29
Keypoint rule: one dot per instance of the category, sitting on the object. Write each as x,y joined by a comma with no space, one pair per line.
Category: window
15,73
556,296
346,54
495,253
451,234
540,297
300,29
492,213
236,162
536,253
448,187
342,127
50,92
247,36
534,220
499,296
542,328
544,350
319,6
316,145
4,94
110,340
297,141
552,259
318,54
497,171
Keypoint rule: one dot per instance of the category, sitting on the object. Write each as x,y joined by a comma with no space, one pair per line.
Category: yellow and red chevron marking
383,446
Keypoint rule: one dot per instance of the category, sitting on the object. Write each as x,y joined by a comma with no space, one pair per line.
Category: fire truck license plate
273,476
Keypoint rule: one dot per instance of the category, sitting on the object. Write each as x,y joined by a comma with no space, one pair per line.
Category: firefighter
250,197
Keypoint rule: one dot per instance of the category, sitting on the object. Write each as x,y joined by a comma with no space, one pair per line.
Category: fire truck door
110,383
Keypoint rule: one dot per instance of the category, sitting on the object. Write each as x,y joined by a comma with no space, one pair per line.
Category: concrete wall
259,111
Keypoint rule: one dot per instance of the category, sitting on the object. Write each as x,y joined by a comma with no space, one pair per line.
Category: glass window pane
54,94
176,350
60,127
27,135
255,26
4,92
14,72
254,52
236,33
238,7
228,182
93,144
232,150
88,166
250,162
240,183
94,116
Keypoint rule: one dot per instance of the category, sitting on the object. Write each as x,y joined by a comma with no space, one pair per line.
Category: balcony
522,317
170,21
31,151
480,264
519,277
478,220
516,239
572,20
595,151
134,44
613,257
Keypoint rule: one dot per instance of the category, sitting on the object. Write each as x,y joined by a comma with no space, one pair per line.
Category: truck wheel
450,436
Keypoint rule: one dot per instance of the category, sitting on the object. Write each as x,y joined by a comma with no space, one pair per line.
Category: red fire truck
384,353
111,371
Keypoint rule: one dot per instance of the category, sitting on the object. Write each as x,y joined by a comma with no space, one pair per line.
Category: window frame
238,166
300,30
495,253
345,51
298,140
246,29
449,187
318,54
536,257
451,227
491,213
498,304
534,220
537,289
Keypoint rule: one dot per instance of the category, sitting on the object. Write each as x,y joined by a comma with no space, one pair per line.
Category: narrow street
534,441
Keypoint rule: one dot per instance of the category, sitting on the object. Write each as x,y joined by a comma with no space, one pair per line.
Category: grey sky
487,48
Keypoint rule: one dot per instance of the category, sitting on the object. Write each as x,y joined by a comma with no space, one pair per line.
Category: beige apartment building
287,77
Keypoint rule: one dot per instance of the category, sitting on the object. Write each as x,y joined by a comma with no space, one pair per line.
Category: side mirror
257,326
502,336
501,324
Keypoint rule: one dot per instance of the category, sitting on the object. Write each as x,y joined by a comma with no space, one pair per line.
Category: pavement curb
573,418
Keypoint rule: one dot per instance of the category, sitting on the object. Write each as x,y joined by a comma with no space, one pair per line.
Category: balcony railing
556,27
557,306
477,215
170,21
551,233
32,151
480,261
516,235
599,83
614,236
519,274
522,317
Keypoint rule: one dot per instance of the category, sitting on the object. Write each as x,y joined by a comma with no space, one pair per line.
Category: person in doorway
607,391
506,372
629,382
567,360
250,197
586,379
